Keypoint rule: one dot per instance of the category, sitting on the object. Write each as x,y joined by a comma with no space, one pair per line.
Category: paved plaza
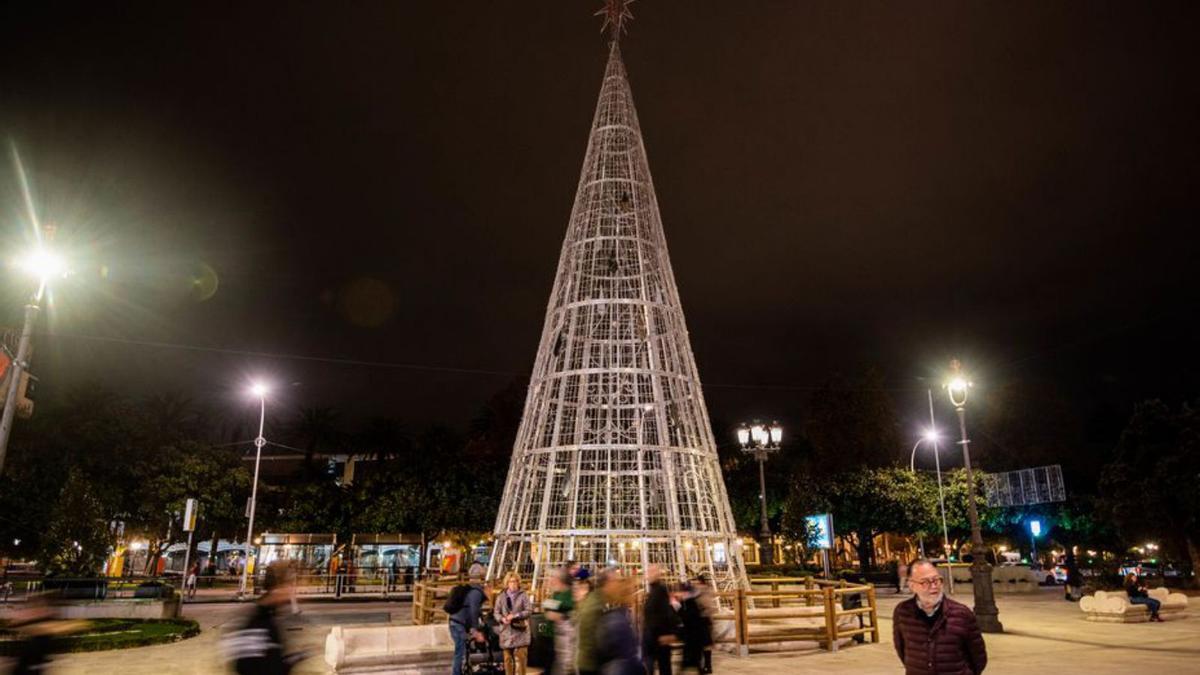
1044,634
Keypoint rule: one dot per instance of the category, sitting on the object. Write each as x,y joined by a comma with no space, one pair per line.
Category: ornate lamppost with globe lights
761,440
986,612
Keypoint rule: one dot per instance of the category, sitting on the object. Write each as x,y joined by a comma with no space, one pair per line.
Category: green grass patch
105,634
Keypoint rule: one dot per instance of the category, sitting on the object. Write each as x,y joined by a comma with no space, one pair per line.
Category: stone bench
409,650
1114,607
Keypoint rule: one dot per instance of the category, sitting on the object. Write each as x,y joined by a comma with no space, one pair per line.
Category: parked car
1142,568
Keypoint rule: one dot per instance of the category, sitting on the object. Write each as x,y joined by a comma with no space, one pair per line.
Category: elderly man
934,634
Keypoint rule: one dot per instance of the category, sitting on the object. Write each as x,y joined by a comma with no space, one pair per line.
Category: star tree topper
616,13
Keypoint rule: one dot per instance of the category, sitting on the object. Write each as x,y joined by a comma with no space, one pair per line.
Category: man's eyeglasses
928,583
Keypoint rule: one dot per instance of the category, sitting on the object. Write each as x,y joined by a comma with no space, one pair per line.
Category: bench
1114,607
409,650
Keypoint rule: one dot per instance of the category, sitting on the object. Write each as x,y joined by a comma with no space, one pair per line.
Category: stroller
485,658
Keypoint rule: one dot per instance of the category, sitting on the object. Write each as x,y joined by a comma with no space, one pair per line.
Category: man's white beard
929,607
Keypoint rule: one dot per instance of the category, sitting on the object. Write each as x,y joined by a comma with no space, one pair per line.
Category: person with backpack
464,607
512,609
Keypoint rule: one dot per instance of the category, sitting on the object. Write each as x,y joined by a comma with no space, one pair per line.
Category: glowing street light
761,440
986,612
260,390
43,265
932,437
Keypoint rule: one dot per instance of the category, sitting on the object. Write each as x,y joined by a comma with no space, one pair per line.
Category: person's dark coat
658,616
696,633
949,644
616,644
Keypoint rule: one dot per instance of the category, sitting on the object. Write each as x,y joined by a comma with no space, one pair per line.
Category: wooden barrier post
830,618
808,586
874,613
741,632
775,591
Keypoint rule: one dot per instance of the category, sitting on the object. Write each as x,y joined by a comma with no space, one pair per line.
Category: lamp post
259,390
43,265
760,441
932,437
1035,530
986,612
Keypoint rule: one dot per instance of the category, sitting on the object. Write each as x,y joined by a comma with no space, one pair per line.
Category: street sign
822,525
189,515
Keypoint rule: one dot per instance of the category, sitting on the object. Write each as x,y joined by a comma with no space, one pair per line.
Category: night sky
843,186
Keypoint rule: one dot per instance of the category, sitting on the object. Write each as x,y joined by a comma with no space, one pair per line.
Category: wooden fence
767,613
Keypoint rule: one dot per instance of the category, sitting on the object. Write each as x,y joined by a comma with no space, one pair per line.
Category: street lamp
260,390
43,265
931,436
761,440
986,611
1035,531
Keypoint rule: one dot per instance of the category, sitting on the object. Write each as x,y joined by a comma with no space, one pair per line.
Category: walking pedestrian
512,610
559,607
933,634
257,646
590,604
698,606
1139,596
616,644
189,582
659,624
463,608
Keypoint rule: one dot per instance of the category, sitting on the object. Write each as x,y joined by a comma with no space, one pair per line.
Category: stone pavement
1044,634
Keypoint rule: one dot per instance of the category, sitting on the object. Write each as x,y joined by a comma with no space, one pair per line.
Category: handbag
521,624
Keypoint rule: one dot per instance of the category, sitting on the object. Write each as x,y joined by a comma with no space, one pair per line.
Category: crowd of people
590,620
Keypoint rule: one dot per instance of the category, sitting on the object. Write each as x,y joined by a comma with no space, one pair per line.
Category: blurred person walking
698,606
933,634
589,616
659,624
257,647
560,610
617,643
512,609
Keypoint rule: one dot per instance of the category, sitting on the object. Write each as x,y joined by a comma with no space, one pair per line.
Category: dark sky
842,185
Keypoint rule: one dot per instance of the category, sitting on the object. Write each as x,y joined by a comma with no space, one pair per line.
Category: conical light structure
615,462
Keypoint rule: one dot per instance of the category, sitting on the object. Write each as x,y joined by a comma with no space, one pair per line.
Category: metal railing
21,588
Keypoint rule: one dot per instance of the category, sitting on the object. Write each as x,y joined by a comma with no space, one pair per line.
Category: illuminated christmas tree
615,462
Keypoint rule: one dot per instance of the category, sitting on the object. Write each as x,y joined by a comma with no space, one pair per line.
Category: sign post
189,526
821,527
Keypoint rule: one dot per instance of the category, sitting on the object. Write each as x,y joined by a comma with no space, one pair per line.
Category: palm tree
316,429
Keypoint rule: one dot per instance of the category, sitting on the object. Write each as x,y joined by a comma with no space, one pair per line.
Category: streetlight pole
260,391
15,371
42,264
760,441
932,436
986,612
